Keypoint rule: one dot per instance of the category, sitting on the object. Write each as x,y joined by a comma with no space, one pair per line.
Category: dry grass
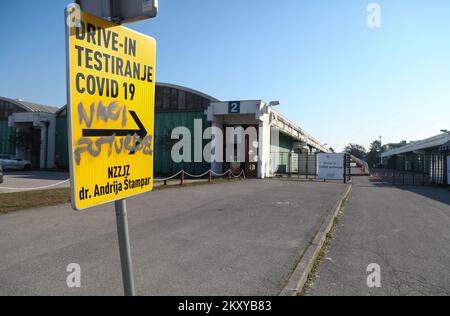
325,248
17,201
10,202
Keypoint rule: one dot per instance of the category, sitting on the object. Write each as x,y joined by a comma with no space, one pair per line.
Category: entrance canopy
272,128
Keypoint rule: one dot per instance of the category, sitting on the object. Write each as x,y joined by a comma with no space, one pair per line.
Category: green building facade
175,106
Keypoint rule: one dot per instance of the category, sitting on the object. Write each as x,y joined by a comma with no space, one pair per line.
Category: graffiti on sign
111,92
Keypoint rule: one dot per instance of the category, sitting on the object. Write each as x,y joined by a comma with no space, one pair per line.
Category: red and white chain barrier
210,173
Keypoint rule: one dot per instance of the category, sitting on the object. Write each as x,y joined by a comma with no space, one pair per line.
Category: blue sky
338,79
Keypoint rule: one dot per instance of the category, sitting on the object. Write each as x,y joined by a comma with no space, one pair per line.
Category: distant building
427,156
390,146
28,130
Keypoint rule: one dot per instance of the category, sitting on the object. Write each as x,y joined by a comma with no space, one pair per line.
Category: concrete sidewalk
22,181
238,238
406,230
18,181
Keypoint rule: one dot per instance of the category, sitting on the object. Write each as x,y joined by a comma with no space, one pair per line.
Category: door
251,151
36,148
250,167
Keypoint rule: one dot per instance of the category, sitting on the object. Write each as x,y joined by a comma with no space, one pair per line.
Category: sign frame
70,108
121,11
335,162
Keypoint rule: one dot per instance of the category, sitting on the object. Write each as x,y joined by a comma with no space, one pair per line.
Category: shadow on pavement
435,192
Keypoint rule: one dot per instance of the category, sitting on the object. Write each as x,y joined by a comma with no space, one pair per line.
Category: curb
298,278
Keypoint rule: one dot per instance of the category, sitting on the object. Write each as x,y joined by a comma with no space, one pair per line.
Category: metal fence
301,165
294,164
423,169
347,168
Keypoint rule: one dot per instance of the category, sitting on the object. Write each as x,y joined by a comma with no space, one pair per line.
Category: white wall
38,121
251,113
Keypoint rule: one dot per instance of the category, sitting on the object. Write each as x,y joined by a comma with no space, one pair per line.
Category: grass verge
10,202
325,248
17,201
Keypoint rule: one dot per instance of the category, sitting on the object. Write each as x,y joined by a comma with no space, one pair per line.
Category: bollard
182,177
165,182
229,175
210,176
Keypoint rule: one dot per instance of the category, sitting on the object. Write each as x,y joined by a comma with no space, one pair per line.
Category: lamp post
274,103
270,105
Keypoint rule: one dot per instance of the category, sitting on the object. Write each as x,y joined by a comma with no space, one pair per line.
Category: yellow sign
111,93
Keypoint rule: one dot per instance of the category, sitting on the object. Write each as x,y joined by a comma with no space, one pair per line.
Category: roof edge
24,105
183,88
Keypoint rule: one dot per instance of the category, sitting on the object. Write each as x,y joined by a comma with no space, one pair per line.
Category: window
174,99
2,111
159,98
189,101
205,103
198,102
181,100
166,99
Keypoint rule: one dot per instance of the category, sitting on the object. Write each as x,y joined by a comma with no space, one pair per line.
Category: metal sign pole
108,10
99,12
122,216
124,247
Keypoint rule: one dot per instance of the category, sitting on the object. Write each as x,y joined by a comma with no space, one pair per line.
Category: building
429,156
280,140
390,146
27,130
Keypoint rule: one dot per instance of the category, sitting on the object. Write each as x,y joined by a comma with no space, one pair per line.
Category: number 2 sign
234,107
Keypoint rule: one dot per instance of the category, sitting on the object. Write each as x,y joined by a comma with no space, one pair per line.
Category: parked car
11,162
1,174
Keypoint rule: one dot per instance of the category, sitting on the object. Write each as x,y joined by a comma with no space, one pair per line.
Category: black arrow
141,132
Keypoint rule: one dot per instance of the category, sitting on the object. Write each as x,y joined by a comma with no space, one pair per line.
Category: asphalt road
238,238
405,230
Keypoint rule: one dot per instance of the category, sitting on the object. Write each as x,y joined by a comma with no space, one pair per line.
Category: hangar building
430,156
39,133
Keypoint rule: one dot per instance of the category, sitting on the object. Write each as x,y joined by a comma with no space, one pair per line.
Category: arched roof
61,111
174,86
30,106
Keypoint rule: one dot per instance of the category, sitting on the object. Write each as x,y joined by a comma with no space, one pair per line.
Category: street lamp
444,131
274,103
270,105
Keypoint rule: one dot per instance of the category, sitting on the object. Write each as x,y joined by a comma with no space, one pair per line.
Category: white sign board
448,170
331,166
